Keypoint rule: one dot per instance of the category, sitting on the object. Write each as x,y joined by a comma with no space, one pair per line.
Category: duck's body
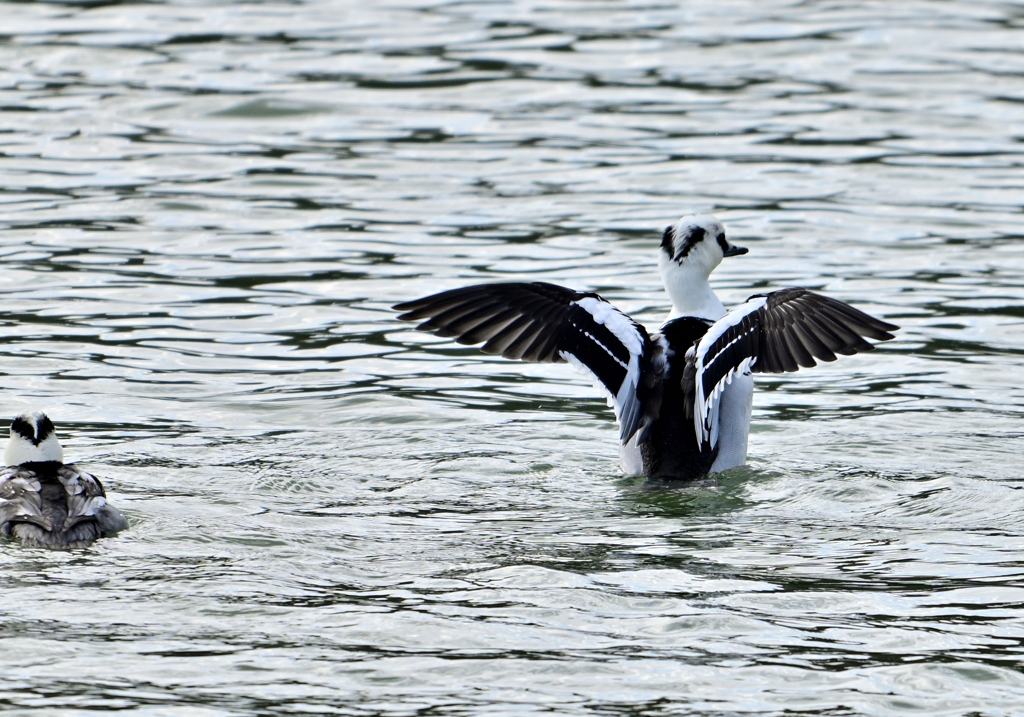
44,503
683,395
671,449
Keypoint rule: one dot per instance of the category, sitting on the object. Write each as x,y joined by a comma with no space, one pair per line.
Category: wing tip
407,307
886,331
411,311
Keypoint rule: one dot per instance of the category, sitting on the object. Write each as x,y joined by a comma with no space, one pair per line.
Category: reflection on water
207,210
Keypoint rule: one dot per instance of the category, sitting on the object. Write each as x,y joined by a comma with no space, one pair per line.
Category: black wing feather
538,322
775,333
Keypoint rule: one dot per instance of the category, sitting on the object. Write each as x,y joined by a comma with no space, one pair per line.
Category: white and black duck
44,503
682,395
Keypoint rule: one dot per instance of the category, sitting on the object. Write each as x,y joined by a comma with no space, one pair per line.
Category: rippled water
208,209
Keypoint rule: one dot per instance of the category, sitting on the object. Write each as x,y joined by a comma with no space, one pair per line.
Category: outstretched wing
546,323
774,333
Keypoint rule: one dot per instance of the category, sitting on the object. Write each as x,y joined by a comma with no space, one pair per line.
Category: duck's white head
33,440
690,250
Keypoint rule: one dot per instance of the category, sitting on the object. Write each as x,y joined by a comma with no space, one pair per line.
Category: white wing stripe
615,321
731,319
705,420
606,349
708,362
627,407
705,426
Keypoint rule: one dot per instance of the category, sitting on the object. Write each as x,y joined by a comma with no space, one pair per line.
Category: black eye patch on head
24,429
666,240
693,237
722,242
28,431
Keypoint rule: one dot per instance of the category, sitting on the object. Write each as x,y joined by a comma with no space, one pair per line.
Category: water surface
208,209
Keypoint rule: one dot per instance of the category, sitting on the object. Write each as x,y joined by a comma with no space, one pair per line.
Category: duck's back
53,509
51,505
671,450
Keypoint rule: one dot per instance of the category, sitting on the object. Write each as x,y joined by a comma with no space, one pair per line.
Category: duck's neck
691,293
